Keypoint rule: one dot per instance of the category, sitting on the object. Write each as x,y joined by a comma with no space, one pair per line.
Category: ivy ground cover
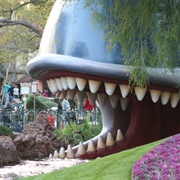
162,162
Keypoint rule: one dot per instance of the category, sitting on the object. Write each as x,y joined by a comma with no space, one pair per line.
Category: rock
37,140
8,153
10,176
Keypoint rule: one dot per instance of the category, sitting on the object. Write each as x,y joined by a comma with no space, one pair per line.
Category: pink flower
162,162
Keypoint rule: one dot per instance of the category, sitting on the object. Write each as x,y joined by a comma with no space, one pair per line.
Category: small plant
5,131
74,133
162,162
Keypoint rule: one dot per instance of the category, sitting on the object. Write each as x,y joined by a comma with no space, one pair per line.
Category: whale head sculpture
73,59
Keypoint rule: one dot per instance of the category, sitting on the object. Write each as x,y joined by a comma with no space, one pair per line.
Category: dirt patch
30,168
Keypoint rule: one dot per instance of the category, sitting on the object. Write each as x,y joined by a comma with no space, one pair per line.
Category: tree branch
5,23
16,8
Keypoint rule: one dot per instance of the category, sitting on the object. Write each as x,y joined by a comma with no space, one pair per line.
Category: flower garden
162,162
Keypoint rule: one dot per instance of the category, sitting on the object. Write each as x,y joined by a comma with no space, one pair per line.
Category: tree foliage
21,27
148,32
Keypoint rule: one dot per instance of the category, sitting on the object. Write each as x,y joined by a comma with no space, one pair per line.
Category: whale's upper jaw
131,115
99,77
54,62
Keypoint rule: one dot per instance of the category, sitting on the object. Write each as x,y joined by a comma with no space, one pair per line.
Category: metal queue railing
18,119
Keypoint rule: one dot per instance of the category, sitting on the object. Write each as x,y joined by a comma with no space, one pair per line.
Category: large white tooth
140,92
92,98
165,97
62,154
49,85
155,94
71,82
175,99
50,156
100,143
63,94
81,149
53,85
56,154
94,85
64,83
109,88
124,90
114,99
91,146
71,93
124,103
119,136
81,83
59,84
102,99
110,140
80,95
70,153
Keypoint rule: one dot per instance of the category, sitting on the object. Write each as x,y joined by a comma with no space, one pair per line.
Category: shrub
41,102
50,104
5,131
74,133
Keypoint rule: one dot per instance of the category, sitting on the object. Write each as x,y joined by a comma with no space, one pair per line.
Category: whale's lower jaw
132,116
142,122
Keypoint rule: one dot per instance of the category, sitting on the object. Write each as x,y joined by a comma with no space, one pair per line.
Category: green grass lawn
117,166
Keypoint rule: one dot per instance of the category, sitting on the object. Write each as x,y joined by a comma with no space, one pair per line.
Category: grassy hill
113,167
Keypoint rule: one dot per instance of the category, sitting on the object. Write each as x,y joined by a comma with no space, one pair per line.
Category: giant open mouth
132,116
71,60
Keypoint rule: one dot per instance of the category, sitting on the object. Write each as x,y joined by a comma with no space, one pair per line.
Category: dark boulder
37,140
8,153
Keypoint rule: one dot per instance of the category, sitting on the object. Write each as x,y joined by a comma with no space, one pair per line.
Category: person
50,119
11,91
64,104
60,104
15,92
88,106
68,115
16,103
6,88
45,94
72,103
7,107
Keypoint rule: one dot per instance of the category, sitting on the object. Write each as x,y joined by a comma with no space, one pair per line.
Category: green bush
74,133
42,99
41,102
5,131
50,104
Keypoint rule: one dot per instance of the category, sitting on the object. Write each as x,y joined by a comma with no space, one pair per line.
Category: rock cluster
8,153
37,140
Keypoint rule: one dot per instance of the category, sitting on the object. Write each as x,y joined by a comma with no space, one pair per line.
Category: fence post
57,124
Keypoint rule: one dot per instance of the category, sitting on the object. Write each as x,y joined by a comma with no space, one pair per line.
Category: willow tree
148,32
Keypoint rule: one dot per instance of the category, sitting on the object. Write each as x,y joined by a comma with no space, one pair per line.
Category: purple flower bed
161,163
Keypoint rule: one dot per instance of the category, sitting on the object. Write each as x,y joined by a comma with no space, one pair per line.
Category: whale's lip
46,63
